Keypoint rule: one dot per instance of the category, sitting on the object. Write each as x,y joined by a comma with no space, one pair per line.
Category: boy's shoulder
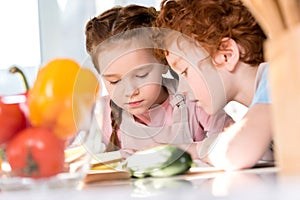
262,92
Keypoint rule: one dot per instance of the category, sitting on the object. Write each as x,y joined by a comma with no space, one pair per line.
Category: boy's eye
142,75
184,72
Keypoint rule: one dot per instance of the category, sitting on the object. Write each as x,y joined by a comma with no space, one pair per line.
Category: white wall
62,24
20,43
35,31
62,28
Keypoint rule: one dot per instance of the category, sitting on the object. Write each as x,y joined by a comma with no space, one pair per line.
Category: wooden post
283,53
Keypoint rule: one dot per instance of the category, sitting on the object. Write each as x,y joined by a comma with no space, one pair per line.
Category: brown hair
117,20
110,23
209,21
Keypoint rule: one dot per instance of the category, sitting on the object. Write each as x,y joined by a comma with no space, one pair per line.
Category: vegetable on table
160,161
13,111
62,97
12,117
37,126
36,152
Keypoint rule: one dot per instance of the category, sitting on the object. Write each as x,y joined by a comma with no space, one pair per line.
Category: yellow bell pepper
62,97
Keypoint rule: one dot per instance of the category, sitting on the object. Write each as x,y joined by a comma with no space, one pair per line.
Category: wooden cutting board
106,175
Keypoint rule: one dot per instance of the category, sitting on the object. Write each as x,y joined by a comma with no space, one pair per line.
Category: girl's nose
133,92
131,88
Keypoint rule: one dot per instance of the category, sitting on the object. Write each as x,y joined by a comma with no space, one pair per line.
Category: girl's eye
114,82
143,75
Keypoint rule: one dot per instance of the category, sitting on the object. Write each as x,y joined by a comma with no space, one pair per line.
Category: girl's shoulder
103,104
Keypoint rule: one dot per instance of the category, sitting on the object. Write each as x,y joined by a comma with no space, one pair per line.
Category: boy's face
134,80
195,66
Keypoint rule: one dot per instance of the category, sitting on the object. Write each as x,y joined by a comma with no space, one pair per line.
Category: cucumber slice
160,161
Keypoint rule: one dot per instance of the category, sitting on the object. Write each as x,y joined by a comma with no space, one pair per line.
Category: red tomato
12,117
36,152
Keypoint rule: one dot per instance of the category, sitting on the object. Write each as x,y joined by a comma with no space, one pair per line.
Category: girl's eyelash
143,76
139,76
114,82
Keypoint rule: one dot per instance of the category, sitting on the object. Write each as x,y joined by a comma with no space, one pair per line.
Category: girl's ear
228,54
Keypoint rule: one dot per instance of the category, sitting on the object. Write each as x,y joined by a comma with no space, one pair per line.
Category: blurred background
35,31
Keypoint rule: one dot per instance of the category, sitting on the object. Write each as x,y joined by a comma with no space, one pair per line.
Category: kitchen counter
257,183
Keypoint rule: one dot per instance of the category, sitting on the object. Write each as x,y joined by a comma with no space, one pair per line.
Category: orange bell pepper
62,97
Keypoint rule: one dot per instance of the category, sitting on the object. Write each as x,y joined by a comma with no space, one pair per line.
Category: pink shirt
177,120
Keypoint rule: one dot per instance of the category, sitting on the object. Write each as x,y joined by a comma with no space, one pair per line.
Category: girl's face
134,80
205,80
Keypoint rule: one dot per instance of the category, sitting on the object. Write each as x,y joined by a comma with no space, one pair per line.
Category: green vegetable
160,161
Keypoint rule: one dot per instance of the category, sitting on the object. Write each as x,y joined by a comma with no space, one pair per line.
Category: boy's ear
228,54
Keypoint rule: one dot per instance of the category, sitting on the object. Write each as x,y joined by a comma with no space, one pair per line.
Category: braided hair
112,22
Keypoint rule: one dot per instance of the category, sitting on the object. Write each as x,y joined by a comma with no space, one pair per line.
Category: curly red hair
209,21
